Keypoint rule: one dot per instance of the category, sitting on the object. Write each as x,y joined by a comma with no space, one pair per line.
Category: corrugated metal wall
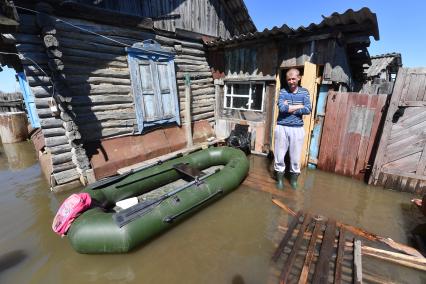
350,131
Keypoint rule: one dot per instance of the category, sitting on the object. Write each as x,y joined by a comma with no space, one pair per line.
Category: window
152,73
244,96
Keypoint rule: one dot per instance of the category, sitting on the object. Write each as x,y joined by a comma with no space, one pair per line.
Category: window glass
244,96
256,96
241,103
241,89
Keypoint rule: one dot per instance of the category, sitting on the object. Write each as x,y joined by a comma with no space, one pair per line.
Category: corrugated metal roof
366,20
381,62
241,15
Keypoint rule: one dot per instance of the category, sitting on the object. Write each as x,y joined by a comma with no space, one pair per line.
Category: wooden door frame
309,121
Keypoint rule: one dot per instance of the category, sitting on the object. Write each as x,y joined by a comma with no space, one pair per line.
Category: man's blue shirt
294,119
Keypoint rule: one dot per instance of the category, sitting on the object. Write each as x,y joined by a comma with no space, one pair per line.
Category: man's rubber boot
280,180
293,180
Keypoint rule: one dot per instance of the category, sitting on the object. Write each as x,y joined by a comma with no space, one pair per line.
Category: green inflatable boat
103,230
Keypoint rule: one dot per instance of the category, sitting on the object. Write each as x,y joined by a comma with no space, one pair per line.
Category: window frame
149,53
249,95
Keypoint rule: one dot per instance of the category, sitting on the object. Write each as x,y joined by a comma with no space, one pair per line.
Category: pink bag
70,209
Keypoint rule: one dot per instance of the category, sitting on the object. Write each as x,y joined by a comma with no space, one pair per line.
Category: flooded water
231,241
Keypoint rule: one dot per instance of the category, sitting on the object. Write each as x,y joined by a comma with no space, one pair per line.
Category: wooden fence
350,129
10,102
401,159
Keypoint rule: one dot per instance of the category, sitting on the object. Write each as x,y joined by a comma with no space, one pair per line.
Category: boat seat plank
188,170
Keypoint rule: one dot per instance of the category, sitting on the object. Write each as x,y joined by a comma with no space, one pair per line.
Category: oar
127,215
117,178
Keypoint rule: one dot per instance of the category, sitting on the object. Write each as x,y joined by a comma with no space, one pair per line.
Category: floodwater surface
231,241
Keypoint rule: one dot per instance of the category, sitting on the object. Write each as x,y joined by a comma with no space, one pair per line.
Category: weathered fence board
401,159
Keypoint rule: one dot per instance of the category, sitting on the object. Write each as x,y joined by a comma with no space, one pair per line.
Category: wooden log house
81,61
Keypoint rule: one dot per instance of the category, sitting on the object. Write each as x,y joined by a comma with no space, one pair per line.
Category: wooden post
357,262
188,124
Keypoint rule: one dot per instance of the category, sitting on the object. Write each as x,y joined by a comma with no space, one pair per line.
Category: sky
402,25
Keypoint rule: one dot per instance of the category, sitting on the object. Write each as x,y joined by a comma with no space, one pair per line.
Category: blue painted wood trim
319,122
28,100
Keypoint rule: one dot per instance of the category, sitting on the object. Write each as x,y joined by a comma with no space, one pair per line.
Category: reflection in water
10,259
18,155
231,241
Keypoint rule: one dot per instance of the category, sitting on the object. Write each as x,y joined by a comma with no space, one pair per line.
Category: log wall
90,79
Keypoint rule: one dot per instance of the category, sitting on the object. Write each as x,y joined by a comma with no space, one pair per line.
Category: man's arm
306,108
283,104
284,107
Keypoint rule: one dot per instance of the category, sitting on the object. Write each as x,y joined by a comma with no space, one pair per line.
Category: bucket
13,127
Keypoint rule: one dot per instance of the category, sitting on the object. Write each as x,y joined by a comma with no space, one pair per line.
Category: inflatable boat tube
101,230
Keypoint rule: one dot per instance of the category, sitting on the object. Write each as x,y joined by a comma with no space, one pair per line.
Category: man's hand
292,109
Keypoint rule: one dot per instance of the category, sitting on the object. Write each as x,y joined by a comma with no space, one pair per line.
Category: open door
310,82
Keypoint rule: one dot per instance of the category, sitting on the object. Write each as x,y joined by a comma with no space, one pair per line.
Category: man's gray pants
288,139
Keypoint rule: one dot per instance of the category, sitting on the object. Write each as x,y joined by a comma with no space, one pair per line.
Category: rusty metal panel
112,154
350,131
401,160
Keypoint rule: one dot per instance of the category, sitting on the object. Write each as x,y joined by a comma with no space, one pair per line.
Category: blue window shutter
153,79
148,92
28,100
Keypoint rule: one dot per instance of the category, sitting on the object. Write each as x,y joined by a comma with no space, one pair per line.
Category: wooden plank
421,166
357,262
292,257
323,263
362,233
398,258
404,165
309,81
340,257
381,152
408,175
414,103
414,87
405,89
286,237
275,108
310,253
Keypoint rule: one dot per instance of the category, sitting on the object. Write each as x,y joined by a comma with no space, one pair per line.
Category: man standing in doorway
293,103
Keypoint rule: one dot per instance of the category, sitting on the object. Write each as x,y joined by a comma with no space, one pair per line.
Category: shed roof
382,62
362,20
239,11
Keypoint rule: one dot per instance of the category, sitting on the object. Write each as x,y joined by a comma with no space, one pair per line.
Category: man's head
293,78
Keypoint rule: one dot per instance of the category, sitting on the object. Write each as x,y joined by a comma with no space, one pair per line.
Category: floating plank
310,253
357,262
323,264
287,237
292,257
398,258
340,257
